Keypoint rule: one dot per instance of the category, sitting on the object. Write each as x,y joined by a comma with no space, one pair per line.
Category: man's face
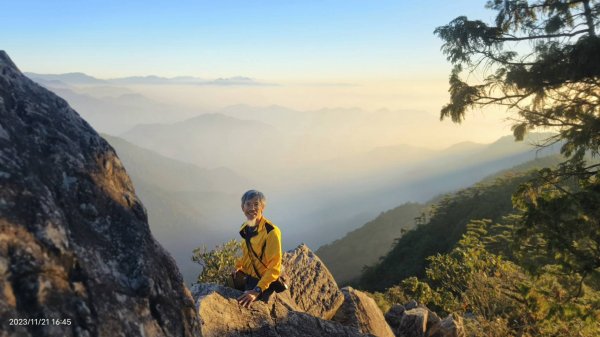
253,209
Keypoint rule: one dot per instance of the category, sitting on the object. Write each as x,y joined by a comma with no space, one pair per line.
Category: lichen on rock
54,264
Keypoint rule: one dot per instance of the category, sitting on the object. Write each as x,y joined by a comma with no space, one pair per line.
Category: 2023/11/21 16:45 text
39,321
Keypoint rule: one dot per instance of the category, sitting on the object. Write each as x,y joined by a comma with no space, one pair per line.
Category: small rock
413,323
448,327
394,316
360,311
411,305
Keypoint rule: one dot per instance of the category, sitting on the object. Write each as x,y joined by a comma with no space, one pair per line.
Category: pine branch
534,37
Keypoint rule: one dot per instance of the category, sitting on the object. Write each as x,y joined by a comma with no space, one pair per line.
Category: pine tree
539,60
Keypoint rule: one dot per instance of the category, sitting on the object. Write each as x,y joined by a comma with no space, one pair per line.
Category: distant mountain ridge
152,167
210,140
76,78
119,111
79,78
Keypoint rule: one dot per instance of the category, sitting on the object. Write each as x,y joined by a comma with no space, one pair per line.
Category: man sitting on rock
258,270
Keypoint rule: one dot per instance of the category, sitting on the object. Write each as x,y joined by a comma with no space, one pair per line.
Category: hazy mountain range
83,79
363,246
190,206
334,193
114,106
325,172
212,140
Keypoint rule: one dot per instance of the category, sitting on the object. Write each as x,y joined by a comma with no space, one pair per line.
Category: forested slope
364,246
447,222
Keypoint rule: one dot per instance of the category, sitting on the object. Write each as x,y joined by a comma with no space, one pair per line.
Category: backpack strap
249,246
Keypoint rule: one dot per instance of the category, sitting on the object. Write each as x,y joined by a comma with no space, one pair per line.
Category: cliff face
74,238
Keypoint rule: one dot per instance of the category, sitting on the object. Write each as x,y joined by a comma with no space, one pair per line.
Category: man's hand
248,297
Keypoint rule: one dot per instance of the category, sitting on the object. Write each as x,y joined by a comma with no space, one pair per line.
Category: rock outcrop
312,287
76,252
303,311
222,316
416,320
361,311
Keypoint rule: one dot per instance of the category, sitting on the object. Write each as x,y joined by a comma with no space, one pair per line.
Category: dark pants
245,282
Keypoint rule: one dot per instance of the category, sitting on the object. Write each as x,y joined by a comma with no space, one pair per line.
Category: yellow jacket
266,243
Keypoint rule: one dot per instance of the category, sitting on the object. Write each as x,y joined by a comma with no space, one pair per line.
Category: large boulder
222,316
312,287
360,311
75,246
304,310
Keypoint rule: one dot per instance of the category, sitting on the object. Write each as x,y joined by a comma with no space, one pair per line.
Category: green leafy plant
498,297
219,263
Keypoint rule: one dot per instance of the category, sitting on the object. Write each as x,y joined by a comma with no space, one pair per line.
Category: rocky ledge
76,254
304,310
313,306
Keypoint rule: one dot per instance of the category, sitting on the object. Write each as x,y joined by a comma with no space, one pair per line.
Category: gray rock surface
394,316
411,305
448,327
432,319
413,323
222,316
312,287
74,238
302,311
361,311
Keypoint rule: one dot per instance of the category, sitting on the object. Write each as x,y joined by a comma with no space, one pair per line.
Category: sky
316,54
271,40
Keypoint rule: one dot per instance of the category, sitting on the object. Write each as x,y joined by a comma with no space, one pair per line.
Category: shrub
218,263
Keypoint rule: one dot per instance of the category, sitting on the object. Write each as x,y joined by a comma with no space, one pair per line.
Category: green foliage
563,221
552,82
535,271
471,278
498,297
413,288
486,274
382,300
219,263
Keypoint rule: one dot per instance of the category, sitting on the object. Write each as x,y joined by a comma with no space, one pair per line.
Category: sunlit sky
273,40
346,53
